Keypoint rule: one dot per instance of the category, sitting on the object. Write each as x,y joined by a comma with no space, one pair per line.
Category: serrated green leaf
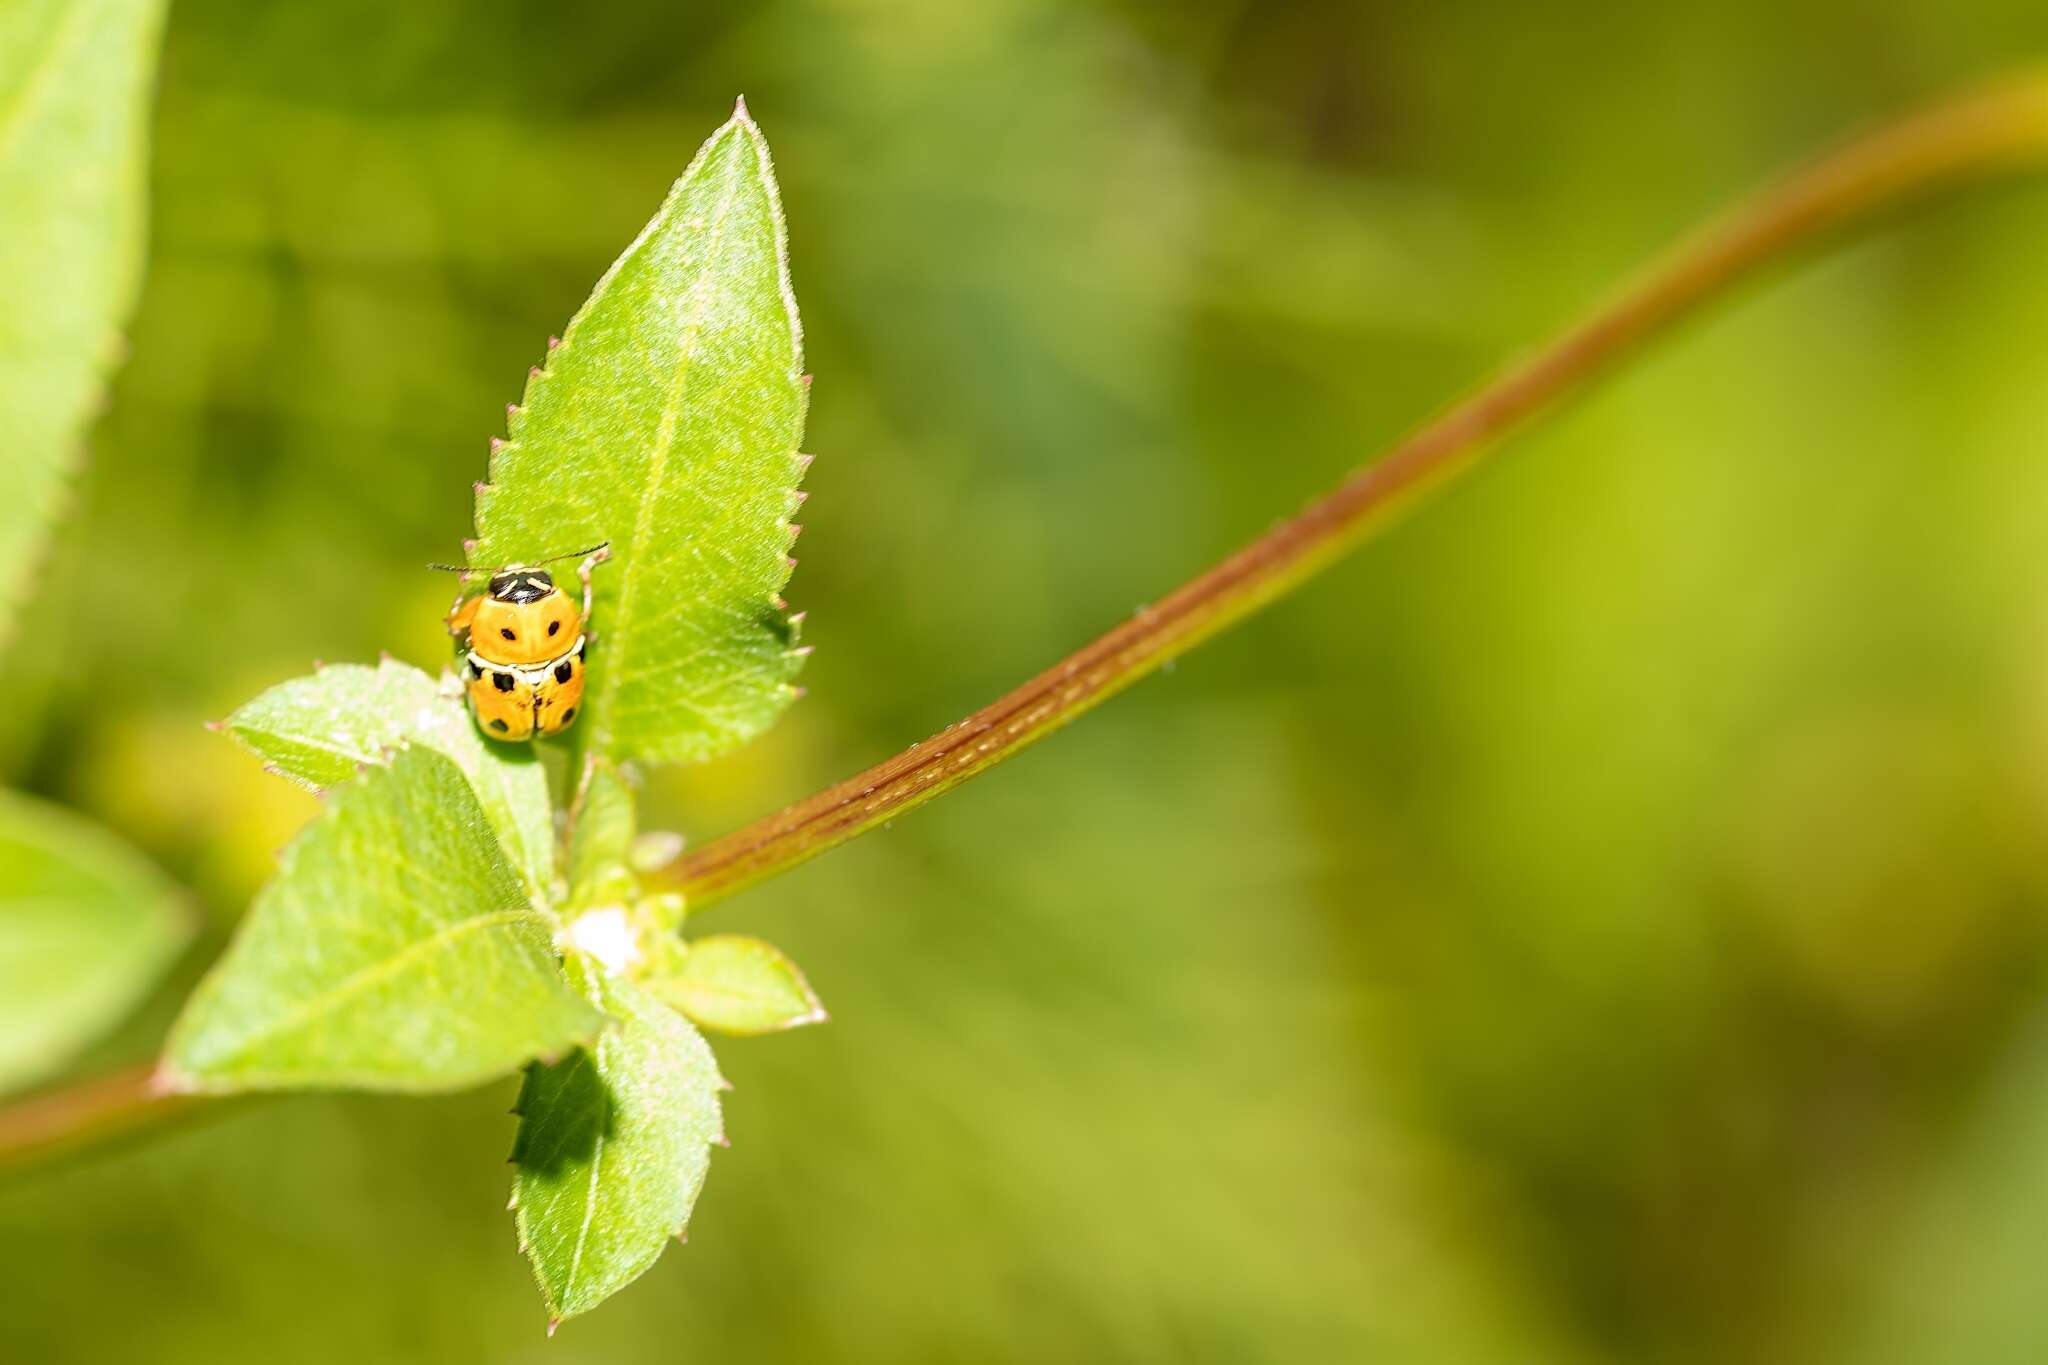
601,827
394,950
667,422
321,728
75,79
730,983
613,1147
86,928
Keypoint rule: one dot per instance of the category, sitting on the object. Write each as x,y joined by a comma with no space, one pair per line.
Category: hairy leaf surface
86,928
394,950
613,1147
75,79
321,728
667,423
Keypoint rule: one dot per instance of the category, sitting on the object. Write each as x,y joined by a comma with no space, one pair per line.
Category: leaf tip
497,444
554,342
553,1323
739,110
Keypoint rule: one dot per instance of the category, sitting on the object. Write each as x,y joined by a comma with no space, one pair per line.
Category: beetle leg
461,614
590,562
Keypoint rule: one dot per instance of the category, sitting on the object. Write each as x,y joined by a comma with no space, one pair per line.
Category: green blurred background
1606,920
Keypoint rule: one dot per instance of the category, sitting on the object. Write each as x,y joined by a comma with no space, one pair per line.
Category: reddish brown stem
1999,128
48,1125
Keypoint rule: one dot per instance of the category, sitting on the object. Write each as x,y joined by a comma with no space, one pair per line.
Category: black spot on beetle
500,726
554,627
564,671
507,633
471,665
568,715
502,681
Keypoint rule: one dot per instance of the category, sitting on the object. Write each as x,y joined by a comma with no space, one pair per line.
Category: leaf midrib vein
379,971
664,442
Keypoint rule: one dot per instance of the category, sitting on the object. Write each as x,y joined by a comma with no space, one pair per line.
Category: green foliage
395,950
601,839
414,938
613,1146
75,76
86,927
319,730
1471,989
731,983
667,422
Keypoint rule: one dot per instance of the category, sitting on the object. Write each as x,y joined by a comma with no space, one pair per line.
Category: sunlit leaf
730,983
600,838
321,728
75,78
613,1146
394,950
86,928
667,423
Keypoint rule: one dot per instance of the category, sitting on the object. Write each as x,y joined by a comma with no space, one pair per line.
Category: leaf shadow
566,1109
777,623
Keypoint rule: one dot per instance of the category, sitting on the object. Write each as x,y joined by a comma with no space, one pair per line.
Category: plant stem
44,1126
2000,128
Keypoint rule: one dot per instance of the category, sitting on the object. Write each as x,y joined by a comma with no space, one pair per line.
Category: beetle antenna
466,569
576,554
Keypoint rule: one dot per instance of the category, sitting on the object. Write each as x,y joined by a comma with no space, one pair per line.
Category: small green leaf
613,1147
667,423
730,983
86,928
600,837
394,950
320,729
74,84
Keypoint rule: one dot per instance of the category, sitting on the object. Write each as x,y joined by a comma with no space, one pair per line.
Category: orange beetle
522,664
